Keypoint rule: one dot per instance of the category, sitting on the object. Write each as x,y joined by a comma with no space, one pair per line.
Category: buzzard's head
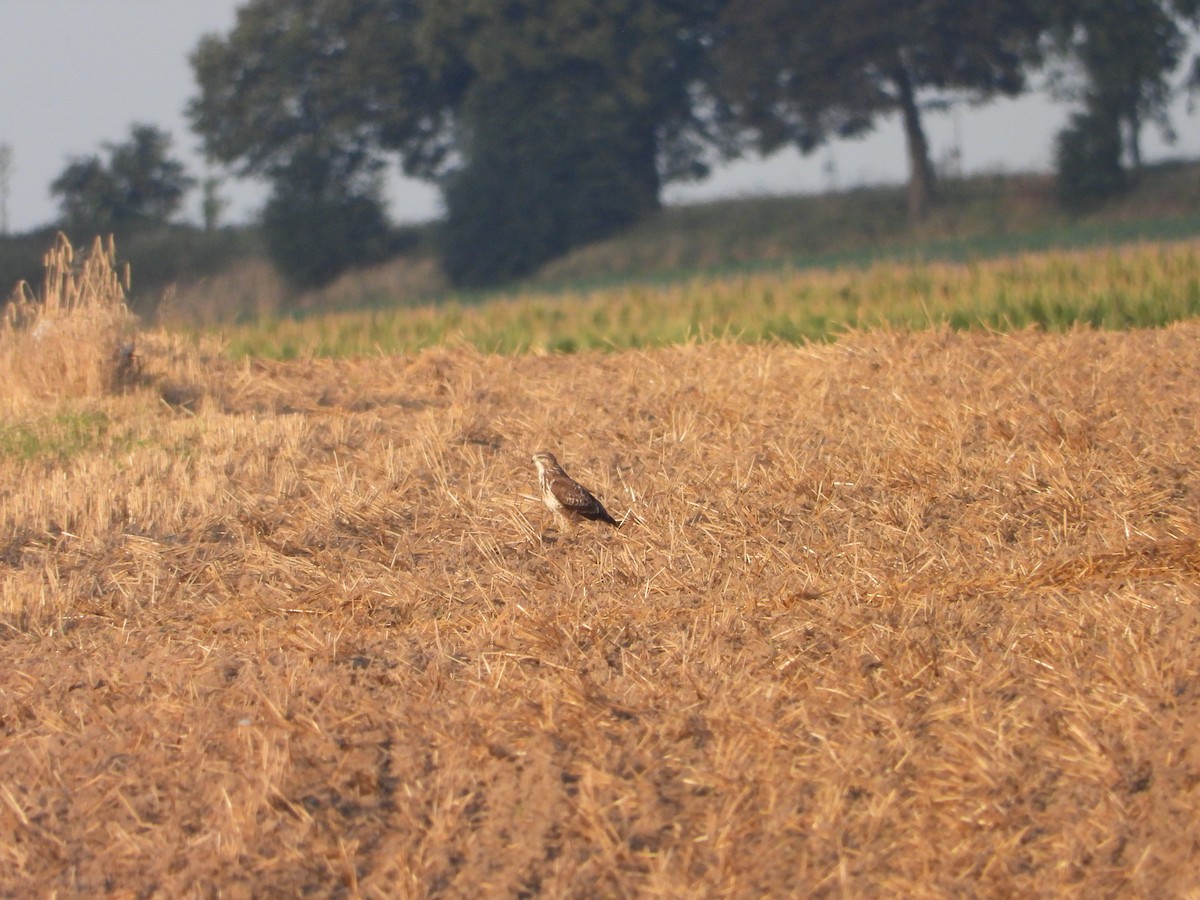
544,459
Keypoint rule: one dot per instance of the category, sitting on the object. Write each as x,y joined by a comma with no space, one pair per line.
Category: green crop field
1139,285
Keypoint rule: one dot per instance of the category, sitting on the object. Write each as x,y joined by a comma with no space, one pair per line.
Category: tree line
547,124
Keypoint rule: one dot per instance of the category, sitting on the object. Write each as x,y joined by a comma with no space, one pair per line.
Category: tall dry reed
74,337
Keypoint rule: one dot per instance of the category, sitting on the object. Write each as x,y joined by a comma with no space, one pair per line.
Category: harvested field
909,614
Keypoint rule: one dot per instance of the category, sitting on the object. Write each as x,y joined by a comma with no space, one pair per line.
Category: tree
544,171
295,74
213,204
323,217
140,185
423,79
574,116
1087,156
1125,53
299,92
88,195
804,71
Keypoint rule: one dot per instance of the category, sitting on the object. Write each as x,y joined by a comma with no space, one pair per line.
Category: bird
564,496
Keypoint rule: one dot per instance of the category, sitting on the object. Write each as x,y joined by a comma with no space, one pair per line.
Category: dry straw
910,614
74,337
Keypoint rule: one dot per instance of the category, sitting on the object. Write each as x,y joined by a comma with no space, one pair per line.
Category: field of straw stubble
908,614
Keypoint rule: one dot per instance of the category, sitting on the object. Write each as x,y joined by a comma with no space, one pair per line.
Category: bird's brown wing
575,498
571,494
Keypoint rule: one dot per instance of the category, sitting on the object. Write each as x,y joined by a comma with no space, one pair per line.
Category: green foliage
801,71
1088,161
580,102
213,204
323,219
307,93
139,186
1127,53
546,169
529,113
339,73
634,62
1144,286
561,129
88,195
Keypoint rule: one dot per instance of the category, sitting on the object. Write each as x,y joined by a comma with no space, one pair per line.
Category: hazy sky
77,73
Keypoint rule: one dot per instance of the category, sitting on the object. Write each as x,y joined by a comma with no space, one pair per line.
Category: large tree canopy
300,76
615,80
802,71
308,93
552,122
644,57
571,117
1125,53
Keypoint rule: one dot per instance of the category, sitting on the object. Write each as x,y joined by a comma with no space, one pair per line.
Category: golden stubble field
912,614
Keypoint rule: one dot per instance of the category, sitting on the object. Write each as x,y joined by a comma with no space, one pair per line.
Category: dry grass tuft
914,614
75,337
254,291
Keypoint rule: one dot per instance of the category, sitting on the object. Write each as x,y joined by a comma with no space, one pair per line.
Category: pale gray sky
77,73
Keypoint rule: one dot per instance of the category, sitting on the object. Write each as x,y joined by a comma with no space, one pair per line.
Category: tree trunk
920,171
645,165
1135,143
